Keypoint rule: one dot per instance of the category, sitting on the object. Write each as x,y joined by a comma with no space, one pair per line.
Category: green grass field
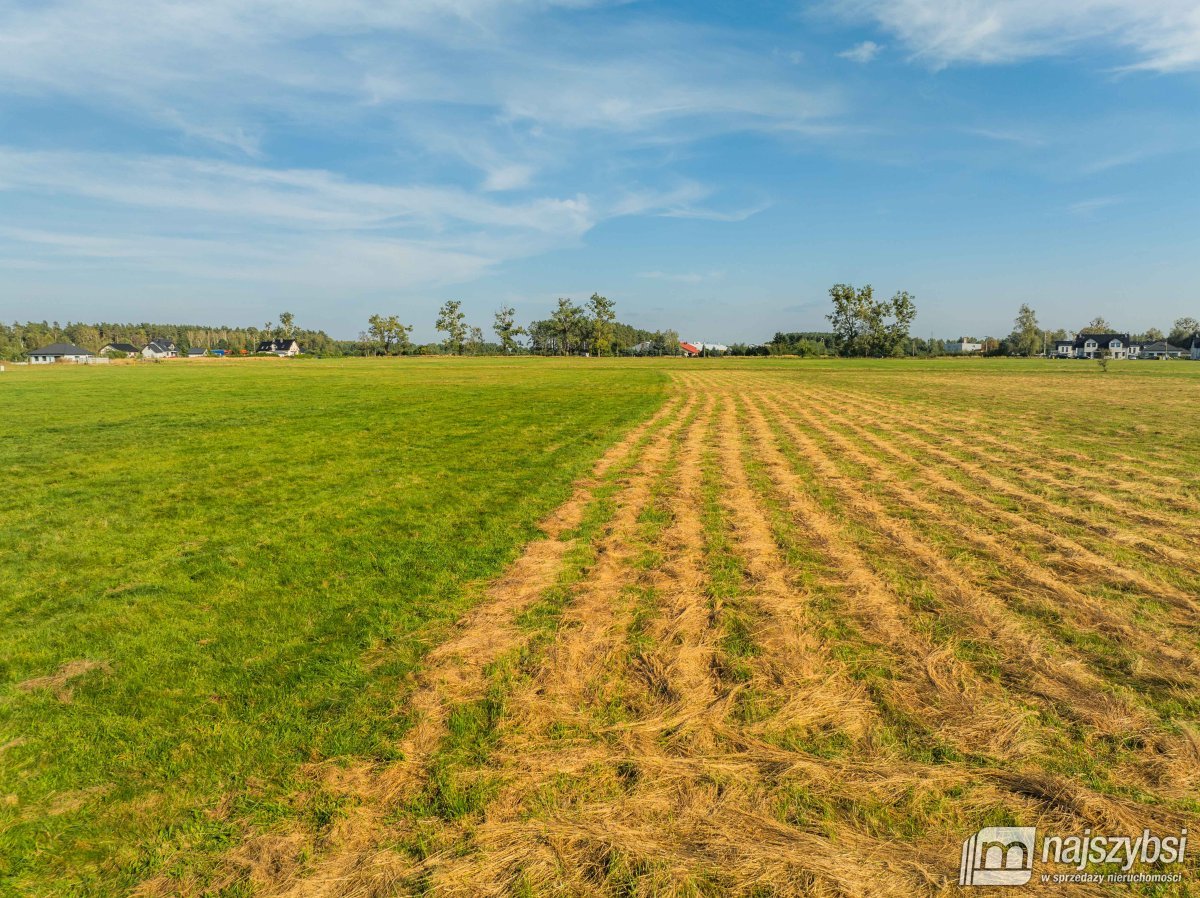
814,623
254,555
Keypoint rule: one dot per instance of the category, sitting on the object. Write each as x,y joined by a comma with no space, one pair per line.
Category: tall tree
864,327
506,329
603,323
452,321
1097,326
1183,330
287,325
1026,338
566,320
388,335
475,341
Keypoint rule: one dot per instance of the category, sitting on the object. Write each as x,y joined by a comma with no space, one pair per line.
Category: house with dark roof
1094,346
197,352
1160,349
161,349
114,348
1192,345
60,352
1064,349
279,347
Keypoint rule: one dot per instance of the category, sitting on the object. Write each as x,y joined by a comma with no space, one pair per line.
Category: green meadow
214,575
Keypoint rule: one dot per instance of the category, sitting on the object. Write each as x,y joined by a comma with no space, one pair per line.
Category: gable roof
197,350
62,349
1161,346
1101,339
161,345
277,345
121,347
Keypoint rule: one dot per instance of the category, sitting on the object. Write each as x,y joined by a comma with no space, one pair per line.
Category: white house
280,347
161,349
61,352
123,348
1094,346
1064,349
962,346
711,347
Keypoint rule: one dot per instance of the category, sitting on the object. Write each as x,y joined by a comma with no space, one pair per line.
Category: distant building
61,352
197,352
279,347
963,346
161,349
1192,344
1094,346
697,348
1064,349
125,348
644,348
1159,349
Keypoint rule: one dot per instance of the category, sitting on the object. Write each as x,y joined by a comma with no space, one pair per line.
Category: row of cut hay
352,856
1169,764
551,745
1106,521
1073,563
1017,448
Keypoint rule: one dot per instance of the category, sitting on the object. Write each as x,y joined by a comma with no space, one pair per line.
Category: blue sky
713,167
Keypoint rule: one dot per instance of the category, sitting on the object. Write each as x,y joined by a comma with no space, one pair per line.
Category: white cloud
310,228
862,53
1162,35
1086,208
212,69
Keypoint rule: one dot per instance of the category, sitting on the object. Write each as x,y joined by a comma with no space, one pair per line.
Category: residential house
280,348
695,348
1064,349
161,349
197,352
1160,349
61,352
123,348
1094,346
1192,344
962,346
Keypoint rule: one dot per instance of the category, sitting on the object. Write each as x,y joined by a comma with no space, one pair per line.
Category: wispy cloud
1162,35
862,53
1087,208
454,136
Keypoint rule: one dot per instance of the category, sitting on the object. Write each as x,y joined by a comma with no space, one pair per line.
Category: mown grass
257,554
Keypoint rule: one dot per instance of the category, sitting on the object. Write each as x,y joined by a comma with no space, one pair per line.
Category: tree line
19,339
590,329
571,329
